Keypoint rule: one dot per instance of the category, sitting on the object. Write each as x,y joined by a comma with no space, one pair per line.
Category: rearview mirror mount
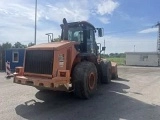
103,48
100,32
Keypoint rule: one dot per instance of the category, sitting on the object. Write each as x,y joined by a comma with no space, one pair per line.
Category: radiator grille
39,61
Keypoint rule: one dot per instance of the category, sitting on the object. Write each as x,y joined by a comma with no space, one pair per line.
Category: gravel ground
134,96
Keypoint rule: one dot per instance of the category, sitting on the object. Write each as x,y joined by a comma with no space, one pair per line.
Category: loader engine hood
52,45
39,59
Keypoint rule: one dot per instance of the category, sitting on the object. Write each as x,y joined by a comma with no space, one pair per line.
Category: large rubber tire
42,89
84,79
106,72
114,76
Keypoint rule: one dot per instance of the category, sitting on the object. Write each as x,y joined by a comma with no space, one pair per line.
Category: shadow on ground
109,103
121,79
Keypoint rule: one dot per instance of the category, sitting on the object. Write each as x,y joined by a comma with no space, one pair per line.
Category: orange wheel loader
73,64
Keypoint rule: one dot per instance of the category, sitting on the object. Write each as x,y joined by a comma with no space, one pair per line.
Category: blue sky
127,23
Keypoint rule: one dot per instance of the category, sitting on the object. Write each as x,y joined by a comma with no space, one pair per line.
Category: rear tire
84,80
114,76
106,72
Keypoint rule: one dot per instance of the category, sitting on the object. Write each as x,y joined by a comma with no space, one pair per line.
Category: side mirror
103,48
100,32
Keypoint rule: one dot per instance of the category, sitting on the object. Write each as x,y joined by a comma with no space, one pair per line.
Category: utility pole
134,48
35,34
158,40
104,46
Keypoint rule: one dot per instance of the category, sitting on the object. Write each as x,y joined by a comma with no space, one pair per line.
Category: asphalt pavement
134,96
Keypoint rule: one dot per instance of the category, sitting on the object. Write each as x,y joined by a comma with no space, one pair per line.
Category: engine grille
39,61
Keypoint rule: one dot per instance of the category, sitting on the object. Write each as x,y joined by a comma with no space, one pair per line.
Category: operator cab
81,32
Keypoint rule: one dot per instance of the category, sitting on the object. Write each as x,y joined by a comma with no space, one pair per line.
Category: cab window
75,34
91,42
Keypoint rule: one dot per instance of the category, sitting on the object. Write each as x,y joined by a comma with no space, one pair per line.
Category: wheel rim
91,81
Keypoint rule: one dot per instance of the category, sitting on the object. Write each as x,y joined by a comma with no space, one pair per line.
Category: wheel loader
73,64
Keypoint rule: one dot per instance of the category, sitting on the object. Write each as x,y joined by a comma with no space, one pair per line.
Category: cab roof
79,23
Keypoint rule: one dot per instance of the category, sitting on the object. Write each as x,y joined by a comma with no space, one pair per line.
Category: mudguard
114,70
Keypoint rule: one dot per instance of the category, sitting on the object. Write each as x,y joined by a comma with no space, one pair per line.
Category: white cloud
72,11
104,20
149,30
107,7
17,17
17,10
17,22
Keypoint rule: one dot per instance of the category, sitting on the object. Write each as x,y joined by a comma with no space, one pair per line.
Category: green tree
122,55
56,39
30,44
104,55
111,55
19,45
6,45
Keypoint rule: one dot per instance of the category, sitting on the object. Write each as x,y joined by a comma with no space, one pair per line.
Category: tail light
62,74
19,71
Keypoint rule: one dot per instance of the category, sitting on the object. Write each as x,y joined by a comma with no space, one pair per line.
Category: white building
143,58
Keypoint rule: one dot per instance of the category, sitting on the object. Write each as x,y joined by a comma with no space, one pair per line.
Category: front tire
84,79
105,72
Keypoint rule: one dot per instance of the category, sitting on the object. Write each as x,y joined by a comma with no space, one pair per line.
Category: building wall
2,60
9,57
142,59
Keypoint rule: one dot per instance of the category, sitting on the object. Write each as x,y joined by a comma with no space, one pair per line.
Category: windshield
75,34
